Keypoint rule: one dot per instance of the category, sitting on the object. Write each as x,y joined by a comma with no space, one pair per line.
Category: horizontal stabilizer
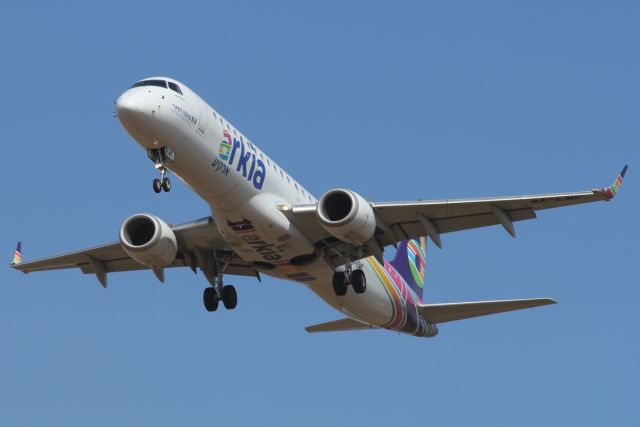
440,313
346,324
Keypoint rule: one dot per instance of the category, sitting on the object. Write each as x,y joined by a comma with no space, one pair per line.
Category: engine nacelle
347,216
149,240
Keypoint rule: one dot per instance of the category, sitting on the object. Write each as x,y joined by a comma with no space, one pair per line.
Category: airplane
265,222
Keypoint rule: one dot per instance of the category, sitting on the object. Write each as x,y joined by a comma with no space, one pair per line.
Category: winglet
17,257
610,192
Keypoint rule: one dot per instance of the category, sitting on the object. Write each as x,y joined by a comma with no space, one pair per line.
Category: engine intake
347,216
149,240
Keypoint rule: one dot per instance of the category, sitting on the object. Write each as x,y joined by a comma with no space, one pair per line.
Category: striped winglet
610,192
17,257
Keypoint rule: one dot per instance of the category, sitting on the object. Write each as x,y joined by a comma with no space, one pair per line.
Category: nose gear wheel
157,185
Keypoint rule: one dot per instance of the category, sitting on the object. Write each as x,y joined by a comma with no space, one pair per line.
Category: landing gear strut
357,279
159,158
217,292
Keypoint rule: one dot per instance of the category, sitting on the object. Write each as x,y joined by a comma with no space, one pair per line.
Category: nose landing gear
159,158
164,183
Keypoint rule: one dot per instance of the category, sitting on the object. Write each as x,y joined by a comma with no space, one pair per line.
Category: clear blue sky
396,100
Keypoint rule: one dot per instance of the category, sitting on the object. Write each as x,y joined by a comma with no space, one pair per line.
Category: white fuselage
243,188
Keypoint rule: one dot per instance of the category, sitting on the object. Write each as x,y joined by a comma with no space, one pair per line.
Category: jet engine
149,240
347,216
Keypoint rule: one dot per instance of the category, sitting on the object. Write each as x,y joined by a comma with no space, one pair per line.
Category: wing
441,313
198,243
399,221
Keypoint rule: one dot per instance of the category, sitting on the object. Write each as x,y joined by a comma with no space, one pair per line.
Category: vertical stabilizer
410,263
17,257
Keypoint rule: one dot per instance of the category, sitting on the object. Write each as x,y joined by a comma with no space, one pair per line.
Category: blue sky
396,100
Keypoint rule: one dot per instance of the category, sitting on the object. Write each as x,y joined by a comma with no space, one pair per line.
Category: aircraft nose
139,110
127,105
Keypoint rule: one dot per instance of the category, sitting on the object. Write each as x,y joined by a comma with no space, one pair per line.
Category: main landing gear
357,279
217,292
212,296
159,158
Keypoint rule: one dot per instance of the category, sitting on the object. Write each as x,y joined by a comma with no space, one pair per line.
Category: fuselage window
281,174
174,87
214,115
296,185
221,121
159,83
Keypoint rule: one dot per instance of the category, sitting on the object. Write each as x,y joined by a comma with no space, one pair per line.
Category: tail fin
17,257
410,263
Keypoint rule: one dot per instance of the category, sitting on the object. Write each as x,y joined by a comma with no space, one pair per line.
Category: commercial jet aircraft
265,222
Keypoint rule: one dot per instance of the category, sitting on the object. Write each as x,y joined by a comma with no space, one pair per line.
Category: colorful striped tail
17,257
410,263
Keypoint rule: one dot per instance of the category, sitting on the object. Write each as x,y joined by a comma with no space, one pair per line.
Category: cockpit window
174,87
159,83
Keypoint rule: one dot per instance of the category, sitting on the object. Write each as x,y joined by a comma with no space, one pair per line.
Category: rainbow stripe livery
410,263
405,316
417,256
610,192
17,257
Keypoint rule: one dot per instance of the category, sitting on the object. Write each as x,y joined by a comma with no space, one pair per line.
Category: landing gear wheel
157,185
359,281
339,283
166,184
229,297
210,299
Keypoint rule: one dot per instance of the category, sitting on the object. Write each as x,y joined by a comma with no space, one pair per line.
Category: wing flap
441,313
346,324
